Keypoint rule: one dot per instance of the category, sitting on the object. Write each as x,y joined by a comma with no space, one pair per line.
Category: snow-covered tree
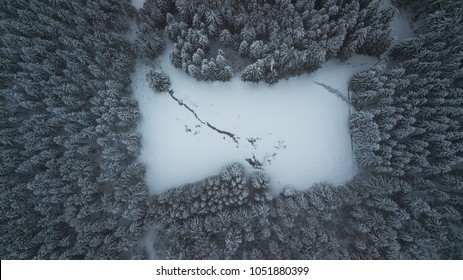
158,80
253,72
256,50
244,48
226,38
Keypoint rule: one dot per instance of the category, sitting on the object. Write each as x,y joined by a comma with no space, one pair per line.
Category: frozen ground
296,128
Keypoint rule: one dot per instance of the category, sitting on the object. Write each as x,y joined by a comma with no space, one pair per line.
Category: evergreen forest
71,184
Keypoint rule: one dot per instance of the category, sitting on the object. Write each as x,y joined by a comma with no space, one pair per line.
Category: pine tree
158,80
253,72
226,38
244,48
256,50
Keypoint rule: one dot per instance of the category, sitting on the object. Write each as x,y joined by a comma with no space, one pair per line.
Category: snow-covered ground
296,128
138,4
400,25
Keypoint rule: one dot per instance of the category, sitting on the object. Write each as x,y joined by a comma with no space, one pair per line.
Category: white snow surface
301,128
400,25
138,4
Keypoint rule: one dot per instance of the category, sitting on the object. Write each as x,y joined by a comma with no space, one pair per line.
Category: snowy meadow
296,130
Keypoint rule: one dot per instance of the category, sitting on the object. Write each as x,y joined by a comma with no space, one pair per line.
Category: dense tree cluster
151,19
275,39
228,189
371,217
409,121
71,186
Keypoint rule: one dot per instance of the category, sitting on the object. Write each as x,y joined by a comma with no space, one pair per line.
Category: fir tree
158,80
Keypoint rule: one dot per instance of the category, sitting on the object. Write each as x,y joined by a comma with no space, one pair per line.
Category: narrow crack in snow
226,133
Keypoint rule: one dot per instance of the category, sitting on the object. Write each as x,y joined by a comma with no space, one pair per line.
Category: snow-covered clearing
297,129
